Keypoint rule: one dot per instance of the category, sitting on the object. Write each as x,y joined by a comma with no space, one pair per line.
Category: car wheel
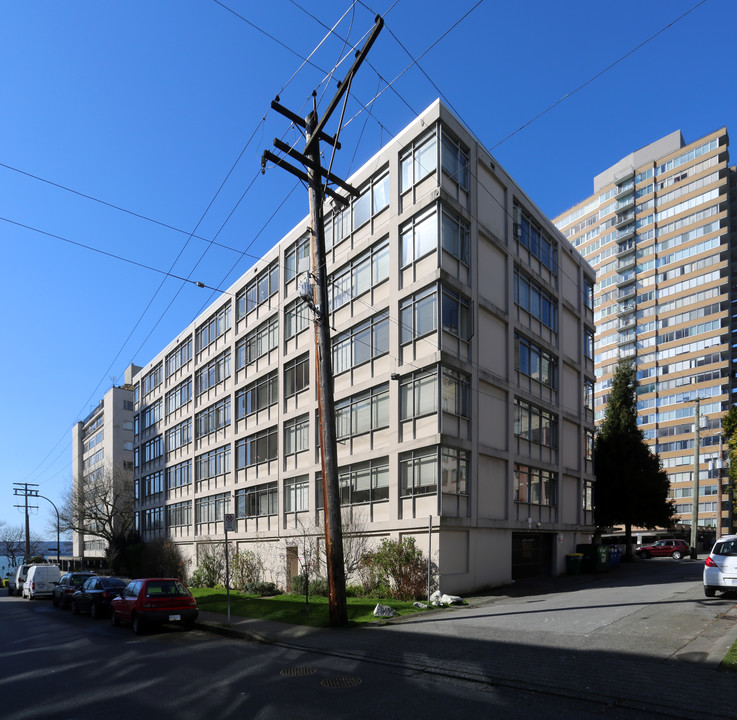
137,623
75,608
54,601
644,555
94,611
114,619
677,554
709,591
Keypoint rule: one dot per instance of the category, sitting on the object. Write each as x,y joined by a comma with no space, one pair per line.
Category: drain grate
299,671
345,681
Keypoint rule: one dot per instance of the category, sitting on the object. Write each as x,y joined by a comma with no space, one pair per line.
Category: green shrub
396,569
261,589
246,568
317,586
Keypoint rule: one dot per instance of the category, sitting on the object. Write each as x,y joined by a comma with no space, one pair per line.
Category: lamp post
58,533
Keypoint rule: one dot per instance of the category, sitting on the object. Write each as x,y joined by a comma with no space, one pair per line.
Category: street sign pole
229,524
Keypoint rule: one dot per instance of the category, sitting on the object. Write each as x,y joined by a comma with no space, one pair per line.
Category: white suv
720,568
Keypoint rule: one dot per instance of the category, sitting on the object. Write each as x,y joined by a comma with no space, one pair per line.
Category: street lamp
696,453
35,493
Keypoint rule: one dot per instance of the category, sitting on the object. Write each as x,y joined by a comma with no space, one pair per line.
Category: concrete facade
659,231
464,391
102,446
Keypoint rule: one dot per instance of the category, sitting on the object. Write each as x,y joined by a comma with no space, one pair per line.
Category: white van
41,581
16,585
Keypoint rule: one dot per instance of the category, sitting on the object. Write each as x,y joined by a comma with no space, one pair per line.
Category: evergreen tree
729,431
631,485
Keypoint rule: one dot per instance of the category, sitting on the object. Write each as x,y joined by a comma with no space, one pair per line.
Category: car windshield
165,588
78,581
728,547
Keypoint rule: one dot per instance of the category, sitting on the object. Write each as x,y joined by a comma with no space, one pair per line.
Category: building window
587,501
363,413
213,463
365,482
152,484
152,450
213,418
151,415
456,393
297,494
212,508
455,237
296,318
418,315
257,343
260,447
419,394
259,395
179,436
456,315
216,371
419,472
588,293
361,343
418,161
152,380
531,236
153,519
257,501
419,237
296,435
179,475
213,328
296,375
297,258
535,424
534,486
179,514
588,344
589,444
258,291
454,471
179,357
531,298
455,160
588,394
535,362
179,396
363,273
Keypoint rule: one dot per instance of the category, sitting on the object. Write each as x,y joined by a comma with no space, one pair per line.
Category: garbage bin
587,557
573,563
615,556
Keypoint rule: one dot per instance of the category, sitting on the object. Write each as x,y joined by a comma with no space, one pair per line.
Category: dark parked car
664,548
69,583
153,601
96,594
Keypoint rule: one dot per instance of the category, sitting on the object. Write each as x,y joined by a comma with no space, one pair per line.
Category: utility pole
696,458
22,490
318,302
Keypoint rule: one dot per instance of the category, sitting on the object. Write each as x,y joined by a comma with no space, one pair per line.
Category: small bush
246,568
396,569
261,589
317,586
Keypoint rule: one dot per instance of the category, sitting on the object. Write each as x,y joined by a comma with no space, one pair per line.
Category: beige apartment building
102,453
462,351
657,231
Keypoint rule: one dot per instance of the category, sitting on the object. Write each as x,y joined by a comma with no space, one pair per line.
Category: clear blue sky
148,106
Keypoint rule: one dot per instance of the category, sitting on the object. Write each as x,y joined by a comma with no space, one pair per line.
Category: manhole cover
346,681
298,671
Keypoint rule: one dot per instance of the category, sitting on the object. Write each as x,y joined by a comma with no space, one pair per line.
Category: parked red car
154,601
664,548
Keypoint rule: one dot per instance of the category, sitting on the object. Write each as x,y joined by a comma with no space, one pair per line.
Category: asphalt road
619,646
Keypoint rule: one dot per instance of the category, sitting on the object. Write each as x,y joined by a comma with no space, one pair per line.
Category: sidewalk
633,680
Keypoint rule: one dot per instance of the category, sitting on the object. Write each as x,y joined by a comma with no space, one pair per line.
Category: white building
102,451
463,369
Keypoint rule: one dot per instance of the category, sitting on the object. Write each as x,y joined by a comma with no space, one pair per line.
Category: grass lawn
730,661
291,608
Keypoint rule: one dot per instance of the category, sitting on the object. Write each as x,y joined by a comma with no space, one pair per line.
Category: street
623,645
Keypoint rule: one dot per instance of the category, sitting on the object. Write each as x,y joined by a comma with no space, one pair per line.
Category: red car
664,548
154,601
